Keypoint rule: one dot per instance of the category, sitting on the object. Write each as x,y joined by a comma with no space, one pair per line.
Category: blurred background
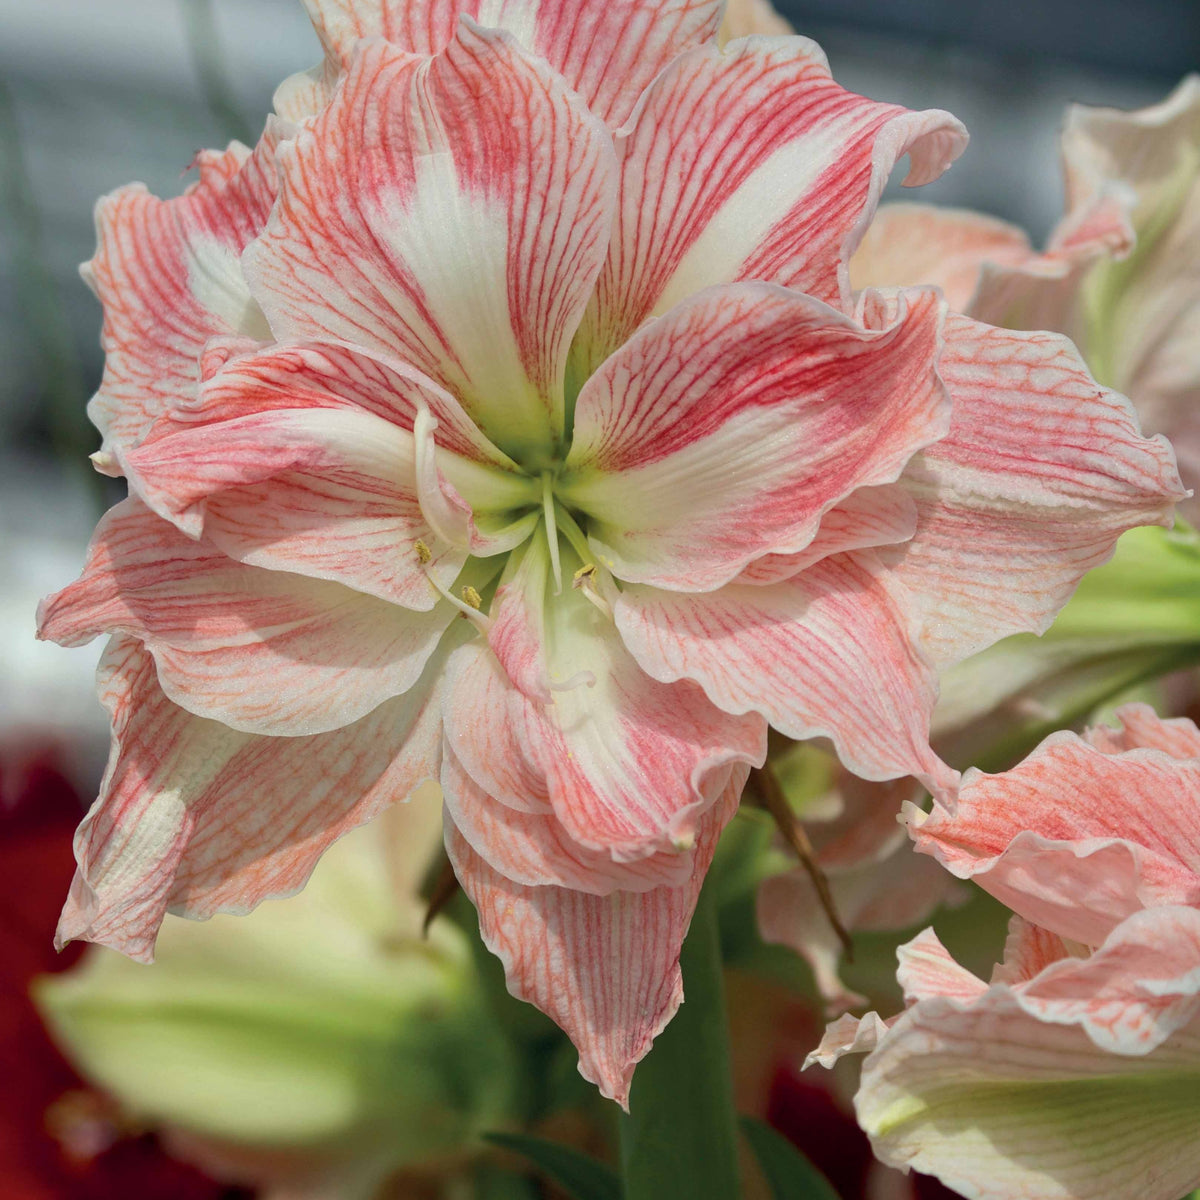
98,93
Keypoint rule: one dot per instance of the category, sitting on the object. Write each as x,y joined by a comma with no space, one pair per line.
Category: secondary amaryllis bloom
551,462
1075,1072
1120,276
1084,832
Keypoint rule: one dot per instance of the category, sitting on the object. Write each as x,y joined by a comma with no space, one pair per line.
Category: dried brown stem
769,791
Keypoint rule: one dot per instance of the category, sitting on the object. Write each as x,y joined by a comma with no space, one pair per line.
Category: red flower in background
58,1140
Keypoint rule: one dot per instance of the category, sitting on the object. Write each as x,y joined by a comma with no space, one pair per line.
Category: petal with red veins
870,516
727,429
1028,950
262,651
167,274
831,652
196,818
1134,991
1142,727
926,970
535,850
451,211
628,764
1073,838
749,163
609,51
848,1035
241,379
910,244
998,1104
326,493
1041,472
604,968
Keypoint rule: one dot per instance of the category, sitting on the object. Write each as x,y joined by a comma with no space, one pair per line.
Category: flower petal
628,765
869,516
749,163
262,651
607,50
727,429
1134,991
198,818
533,849
1141,727
469,241
604,968
166,272
326,493
926,970
997,1104
831,652
1074,839
911,244
1041,472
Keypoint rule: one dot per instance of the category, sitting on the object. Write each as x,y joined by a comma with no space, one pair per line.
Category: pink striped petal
998,1104
262,651
1136,990
1073,838
604,968
197,818
320,492
535,850
627,764
750,163
1041,472
926,970
607,50
831,652
241,379
911,244
419,218
870,516
1028,950
1141,727
728,428
167,274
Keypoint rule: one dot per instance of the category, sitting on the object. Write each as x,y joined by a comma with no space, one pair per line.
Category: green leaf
790,1175
583,1177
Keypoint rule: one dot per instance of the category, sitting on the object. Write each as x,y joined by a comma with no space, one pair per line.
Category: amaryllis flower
1072,1073
1075,1072
546,452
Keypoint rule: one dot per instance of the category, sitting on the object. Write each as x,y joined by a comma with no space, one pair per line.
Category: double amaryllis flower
1074,1072
506,418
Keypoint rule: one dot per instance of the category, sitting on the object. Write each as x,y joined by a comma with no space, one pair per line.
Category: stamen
471,602
548,508
585,581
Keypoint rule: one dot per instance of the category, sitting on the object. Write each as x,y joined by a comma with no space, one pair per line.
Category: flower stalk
679,1137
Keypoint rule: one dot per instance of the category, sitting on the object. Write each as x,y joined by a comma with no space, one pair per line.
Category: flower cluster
507,417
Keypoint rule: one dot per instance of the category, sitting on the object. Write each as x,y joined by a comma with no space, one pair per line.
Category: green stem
680,1136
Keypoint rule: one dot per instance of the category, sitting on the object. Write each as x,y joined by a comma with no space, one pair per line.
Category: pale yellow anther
424,554
472,597
583,575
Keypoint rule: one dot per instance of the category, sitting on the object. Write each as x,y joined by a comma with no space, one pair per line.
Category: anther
472,597
424,554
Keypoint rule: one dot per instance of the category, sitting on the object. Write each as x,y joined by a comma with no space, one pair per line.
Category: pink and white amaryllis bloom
553,462
1077,1071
